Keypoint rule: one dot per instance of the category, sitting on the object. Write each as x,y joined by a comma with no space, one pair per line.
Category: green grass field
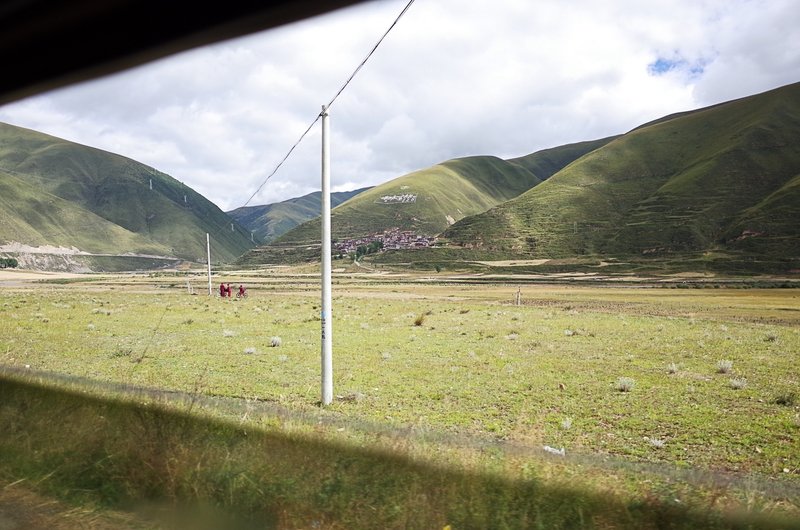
701,384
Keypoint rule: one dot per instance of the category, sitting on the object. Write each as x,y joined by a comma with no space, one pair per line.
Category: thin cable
282,161
396,20
403,12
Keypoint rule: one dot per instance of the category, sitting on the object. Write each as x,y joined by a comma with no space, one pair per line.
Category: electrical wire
396,20
330,103
282,161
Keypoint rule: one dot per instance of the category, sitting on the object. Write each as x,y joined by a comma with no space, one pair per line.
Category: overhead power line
403,12
330,103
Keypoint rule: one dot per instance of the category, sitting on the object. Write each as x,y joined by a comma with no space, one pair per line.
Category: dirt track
13,275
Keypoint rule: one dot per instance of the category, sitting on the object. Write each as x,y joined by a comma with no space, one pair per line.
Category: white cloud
452,79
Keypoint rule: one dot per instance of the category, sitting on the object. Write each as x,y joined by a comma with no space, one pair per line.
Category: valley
432,367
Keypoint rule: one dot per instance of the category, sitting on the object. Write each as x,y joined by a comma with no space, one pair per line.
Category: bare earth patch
18,277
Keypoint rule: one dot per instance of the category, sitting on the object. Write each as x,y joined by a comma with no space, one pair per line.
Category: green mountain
270,221
59,193
720,179
37,218
547,162
429,200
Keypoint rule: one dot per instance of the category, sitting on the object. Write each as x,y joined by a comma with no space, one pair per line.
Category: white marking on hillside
398,199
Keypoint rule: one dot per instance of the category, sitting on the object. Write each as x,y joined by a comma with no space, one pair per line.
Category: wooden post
208,259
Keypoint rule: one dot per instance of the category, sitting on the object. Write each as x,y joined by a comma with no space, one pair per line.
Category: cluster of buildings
392,239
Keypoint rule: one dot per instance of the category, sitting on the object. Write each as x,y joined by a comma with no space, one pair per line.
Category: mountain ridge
440,194
683,183
154,214
723,180
270,221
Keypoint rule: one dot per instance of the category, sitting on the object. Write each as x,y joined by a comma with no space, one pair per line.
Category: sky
452,79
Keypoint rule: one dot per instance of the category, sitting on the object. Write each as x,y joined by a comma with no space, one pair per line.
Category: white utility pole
326,316
208,259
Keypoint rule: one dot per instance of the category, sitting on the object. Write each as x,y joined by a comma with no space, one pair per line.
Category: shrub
419,320
738,383
625,384
275,342
672,368
121,352
787,399
724,366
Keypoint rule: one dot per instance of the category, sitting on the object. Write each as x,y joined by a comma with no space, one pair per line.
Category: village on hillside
391,239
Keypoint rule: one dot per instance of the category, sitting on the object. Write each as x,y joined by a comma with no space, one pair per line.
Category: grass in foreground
169,466
534,375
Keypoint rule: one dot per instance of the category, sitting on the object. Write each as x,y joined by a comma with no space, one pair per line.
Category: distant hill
59,193
36,218
721,179
429,200
271,221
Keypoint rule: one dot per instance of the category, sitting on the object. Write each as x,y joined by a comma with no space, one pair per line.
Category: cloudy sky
453,78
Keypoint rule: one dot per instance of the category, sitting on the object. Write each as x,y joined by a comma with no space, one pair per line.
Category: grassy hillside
270,221
720,178
547,162
442,194
169,218
28,215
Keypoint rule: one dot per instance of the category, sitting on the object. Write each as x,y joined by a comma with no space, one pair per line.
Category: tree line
363,250
8,263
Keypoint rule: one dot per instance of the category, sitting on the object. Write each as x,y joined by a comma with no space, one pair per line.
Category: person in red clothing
242,291
229,290
222,290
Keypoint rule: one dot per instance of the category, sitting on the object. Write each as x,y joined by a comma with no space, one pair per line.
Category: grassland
469,368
